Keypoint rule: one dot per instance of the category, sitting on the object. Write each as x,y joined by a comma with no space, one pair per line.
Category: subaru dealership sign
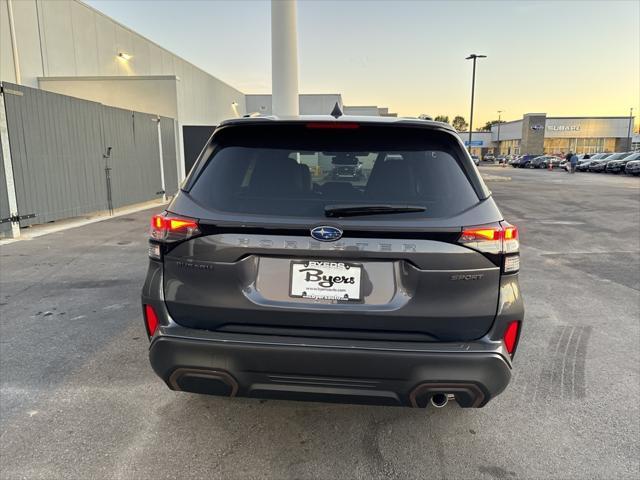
563,128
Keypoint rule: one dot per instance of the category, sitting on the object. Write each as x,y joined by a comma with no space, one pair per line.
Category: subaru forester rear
272,276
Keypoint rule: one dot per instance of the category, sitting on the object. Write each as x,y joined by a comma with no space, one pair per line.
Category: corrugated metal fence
72,157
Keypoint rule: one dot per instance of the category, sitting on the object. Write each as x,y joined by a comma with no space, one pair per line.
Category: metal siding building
67,47
70,157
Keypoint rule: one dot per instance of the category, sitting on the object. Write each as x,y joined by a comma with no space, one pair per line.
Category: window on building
556,146
509,147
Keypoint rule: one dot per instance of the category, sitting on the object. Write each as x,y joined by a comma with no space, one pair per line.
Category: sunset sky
559,57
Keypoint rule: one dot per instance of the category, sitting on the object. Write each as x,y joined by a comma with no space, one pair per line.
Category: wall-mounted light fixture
234,107
124,56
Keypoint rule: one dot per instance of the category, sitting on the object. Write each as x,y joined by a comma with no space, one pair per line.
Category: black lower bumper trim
344,375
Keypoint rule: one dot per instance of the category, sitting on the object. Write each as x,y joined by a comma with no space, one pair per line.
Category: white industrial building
68,47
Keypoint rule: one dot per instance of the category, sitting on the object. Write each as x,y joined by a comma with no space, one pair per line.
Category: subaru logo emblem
326,233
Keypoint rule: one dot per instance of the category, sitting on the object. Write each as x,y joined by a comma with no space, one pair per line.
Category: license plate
326,280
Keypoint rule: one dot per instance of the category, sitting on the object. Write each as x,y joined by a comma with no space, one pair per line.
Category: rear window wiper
353,210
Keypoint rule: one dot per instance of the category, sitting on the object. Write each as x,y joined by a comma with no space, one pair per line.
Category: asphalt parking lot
79,400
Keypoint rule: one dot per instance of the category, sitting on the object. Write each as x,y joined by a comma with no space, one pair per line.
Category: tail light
499,238
510,337
150,319
168,228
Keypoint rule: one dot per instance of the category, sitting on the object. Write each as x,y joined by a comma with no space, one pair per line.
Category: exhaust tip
439,400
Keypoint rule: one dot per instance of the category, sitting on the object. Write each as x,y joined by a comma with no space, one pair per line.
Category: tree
460,124
442,118
488,125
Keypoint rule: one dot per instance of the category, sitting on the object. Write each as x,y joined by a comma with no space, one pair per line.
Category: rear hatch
285,246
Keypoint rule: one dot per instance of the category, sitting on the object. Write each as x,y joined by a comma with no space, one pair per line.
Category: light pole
629,129
499,118
473,57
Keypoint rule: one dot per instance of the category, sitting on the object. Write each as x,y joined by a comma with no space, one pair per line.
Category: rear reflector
334,125
511,263
151,319
154,251
511,336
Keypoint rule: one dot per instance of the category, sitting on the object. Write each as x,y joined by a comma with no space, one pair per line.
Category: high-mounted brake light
150,319
499,238
169,228
334,125
510,337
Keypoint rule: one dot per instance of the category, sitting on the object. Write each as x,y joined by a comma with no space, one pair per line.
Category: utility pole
473,57
499,118
629,129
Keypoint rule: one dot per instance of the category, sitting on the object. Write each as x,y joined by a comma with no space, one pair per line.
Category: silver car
269,278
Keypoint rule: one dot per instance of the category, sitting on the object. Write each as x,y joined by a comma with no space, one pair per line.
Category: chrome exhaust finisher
439,400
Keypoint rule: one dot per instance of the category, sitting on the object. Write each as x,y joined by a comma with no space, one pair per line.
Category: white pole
284,58
160,156
8,169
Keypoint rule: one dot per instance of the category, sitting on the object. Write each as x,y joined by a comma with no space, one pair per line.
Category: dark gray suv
272,277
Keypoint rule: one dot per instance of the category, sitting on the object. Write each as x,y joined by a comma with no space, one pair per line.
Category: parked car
346,168
475,159
544,161
601,165
632,167
536,162
489,157
583,165
267,279
501,159
618,166
513,159
524,161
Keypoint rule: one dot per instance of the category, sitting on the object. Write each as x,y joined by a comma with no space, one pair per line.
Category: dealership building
536,133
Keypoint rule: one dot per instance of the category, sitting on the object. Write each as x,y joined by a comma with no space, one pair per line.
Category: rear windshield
298,171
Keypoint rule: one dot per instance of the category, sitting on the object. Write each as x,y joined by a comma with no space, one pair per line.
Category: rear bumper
332,369
386,373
